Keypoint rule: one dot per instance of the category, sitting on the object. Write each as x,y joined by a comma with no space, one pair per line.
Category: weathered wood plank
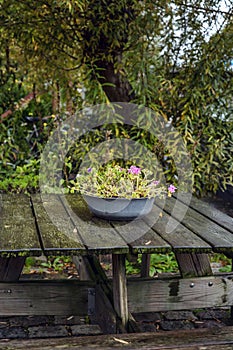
209,211
218,237
120,288
140,237
104,312
84,271
11,268
193,264
19,238
57,231
18,233
97,235
195,339
180,238
44,298
179,294
145,266
188,247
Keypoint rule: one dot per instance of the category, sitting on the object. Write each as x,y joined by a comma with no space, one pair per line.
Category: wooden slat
44,298
97,235
218,338
57,231
139,235
209,211
179,294
14,198
181,239
188,247
218,237
18,232
10,205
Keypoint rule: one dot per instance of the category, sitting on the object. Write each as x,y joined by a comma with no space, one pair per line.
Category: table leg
84,270
120,298
11,268
145,268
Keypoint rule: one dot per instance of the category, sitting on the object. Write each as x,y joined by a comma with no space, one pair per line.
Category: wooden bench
63,225
198,339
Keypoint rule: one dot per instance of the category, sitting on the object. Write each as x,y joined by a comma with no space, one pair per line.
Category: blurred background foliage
174,57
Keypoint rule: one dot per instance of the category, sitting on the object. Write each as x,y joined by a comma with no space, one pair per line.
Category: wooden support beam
120,298
145,268
105,314
11,268
194,264
149,295
45,298
84,270
89,269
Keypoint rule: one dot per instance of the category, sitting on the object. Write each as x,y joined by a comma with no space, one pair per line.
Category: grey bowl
119,208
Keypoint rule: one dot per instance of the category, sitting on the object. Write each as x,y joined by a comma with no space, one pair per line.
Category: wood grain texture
140,237
209,211
179,294
44,298
194,264
97,235
18,233
211,232
57,231
120,289
195,339
11,268
180,238
145,265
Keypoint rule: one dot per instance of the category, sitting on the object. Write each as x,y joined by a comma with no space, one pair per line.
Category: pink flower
172,189
155,182
134,170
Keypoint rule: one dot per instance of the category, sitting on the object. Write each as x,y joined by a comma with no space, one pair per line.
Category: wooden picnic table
63,225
